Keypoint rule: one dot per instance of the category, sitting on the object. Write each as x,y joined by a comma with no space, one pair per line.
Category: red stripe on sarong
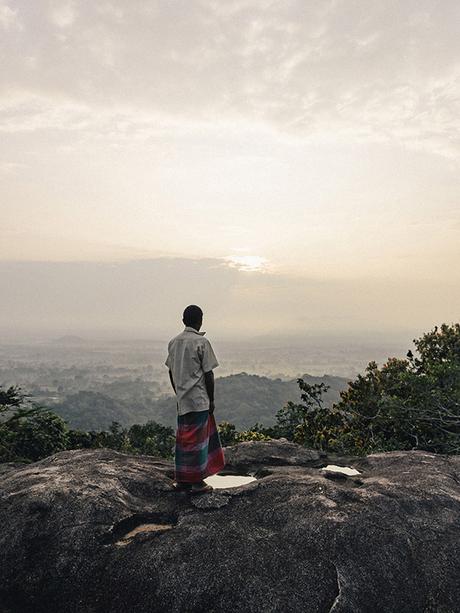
195,458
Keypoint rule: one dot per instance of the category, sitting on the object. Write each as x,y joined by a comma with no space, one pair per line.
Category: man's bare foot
182,486
201,488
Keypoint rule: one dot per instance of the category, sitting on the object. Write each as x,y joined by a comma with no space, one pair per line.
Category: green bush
28,432
227,433
251,435
152,439
411,403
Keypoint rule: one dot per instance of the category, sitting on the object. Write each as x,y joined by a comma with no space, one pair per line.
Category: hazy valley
92,383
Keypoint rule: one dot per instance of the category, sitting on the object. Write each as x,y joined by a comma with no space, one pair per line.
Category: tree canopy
411,403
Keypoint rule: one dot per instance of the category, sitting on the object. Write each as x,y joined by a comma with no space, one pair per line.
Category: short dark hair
192,314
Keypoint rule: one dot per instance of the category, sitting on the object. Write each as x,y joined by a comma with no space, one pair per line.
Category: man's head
193,316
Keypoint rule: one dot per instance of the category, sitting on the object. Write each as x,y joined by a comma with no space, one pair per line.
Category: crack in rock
339,593
124,531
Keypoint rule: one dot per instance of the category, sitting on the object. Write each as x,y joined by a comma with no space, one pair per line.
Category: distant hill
245,399
69,339
96,411
242,399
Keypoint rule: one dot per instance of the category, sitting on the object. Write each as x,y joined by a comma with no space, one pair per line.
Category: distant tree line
411,403
242,400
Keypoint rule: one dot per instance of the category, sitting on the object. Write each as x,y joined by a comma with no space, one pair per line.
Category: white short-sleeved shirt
190,355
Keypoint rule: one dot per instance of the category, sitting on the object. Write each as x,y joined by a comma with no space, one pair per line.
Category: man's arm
209,382
172,381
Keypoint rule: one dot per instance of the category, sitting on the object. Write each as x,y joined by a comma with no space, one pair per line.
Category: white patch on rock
224,481
346,470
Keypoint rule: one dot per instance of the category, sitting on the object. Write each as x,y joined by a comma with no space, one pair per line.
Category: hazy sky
289,143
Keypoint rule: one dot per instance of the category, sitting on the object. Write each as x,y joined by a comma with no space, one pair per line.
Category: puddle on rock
224,481
346,470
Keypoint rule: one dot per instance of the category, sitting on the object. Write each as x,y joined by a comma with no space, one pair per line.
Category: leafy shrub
227,433
251,435
28,432
152,439
411,403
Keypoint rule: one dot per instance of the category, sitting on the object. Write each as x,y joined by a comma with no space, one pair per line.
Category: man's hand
172,381
209,382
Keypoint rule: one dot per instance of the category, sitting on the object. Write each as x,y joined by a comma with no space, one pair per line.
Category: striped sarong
198,452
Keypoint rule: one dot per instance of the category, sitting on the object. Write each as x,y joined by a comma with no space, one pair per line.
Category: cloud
320,72
9,17
63,14
7,168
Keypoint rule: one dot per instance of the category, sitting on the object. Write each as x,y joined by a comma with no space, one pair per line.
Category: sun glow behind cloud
247,263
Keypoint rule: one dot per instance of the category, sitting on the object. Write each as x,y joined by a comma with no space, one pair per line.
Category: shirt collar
190,329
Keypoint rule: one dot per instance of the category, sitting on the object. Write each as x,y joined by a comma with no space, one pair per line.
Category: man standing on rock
191,360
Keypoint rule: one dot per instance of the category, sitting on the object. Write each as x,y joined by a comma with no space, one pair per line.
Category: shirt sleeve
208,358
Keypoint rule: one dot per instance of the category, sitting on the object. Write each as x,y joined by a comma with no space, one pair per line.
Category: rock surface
98,531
